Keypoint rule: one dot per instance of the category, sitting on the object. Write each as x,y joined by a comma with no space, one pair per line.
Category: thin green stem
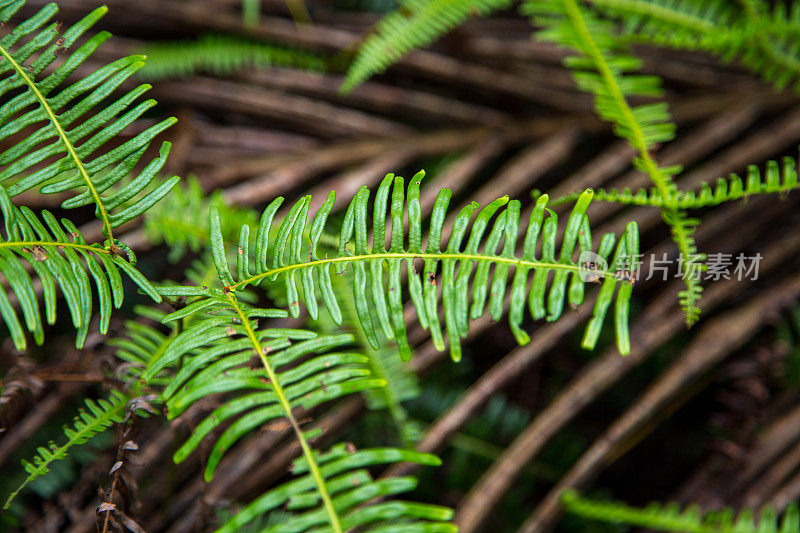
630,122
410,255
287,407
88,247
62,134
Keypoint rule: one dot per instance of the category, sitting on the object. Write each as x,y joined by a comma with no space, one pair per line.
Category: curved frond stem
66,244
333,517
681,226
410,255
637,135
67,143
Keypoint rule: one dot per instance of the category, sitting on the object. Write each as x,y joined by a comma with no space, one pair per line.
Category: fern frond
215,345
402,385
67,129
354,495
725,190
97,417
691,520
58,254
222,55
415,24
291,254
297,369
603,67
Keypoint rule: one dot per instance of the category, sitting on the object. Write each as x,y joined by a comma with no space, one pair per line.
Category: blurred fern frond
181,219
97,417
222,55
764,37
690,520
414,24
140,343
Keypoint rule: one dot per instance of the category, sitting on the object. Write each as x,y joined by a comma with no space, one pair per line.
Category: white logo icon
592,266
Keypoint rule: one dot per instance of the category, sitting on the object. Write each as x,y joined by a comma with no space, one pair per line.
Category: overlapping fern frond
59,256
689,520
777,180
604,67
415,24
97,417
222,55
377,283
353,494
67,129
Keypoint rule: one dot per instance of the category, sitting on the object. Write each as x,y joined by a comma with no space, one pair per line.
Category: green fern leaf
289,256
353,493
297,368
180,220
58,254
68,130
215,345
415,24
